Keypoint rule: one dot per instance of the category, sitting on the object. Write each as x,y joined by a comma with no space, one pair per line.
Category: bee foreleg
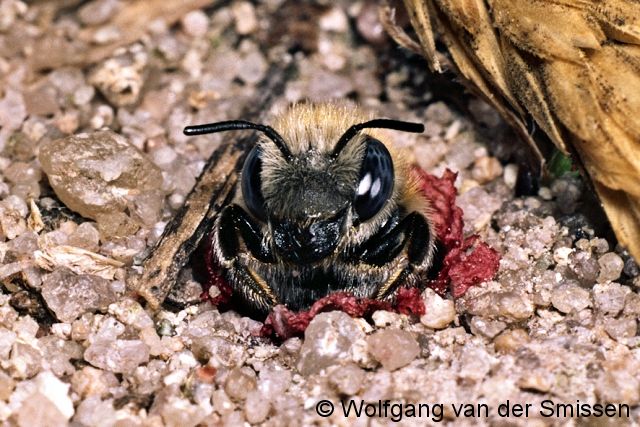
412,232
235,221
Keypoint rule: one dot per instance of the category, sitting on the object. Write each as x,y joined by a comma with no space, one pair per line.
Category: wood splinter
214,189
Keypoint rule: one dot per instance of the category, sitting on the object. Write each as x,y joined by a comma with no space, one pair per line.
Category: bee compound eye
375,184
252,184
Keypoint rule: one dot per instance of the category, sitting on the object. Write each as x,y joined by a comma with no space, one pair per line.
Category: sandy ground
556,330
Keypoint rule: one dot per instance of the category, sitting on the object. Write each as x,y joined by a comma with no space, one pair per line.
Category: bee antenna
240,125
379,124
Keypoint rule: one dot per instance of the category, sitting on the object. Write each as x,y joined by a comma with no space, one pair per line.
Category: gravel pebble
393,348
69,295
611,266
570,298
328,340
439,312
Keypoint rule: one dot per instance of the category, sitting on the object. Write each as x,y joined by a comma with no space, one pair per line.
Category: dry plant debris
573,66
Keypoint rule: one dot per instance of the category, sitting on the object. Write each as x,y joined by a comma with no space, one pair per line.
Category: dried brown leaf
547,30
620,19
624,215
78,260
472,17
572,97
419,17
34,221
571,65
526,84
615,76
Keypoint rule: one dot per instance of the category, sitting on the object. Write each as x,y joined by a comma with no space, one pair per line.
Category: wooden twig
214,189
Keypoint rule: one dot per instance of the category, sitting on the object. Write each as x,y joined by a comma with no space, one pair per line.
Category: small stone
568,298
119,356
90,381
119,81
245,17
511,340
115,225
12,224
130,312
83,95
611,266
256,407
45,401
545,193
439,312
486,327
26,360
177,411
585,267
599,245
561,255
218,352
59,352
393,348
7,338
334,20
21,173
474,362
440,113
233,419
328,341
12,110
9,11
536,382
221,402
623,327
253,67
514,305
69,295
609,298
86,236
7,384
97,12
616,386
369,25
164,157
108,329
102,117
38,410
274,382
347,379
99,173
510,175
486,169
95,411
239,383
384,318
631,267
195,23
478,207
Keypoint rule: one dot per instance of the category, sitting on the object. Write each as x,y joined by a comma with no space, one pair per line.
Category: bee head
325,173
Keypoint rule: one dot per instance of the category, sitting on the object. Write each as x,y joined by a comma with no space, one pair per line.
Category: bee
326,204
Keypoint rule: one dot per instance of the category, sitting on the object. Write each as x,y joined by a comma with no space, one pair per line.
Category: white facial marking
364,185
